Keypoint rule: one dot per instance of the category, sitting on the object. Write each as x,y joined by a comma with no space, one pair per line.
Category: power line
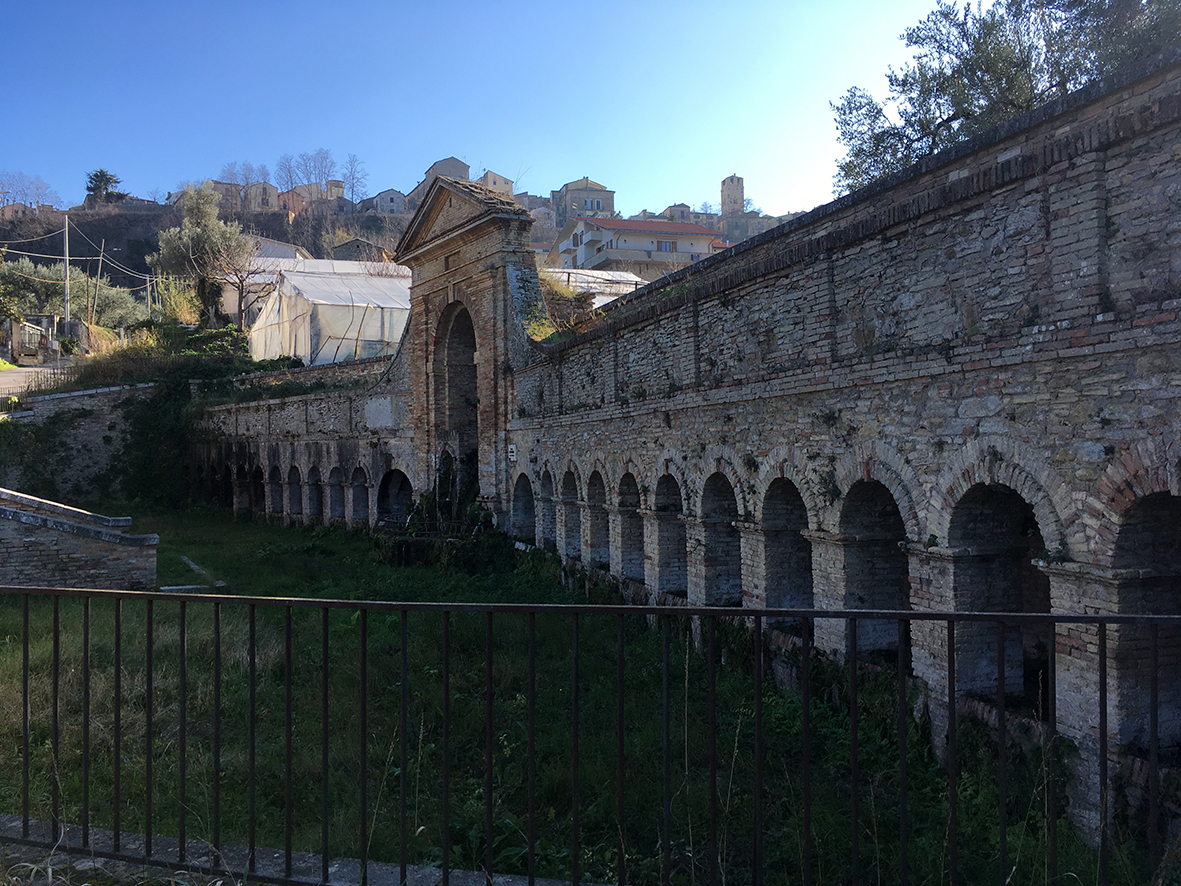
34,239
109,260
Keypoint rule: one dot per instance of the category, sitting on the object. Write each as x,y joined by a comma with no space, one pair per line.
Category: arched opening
723,552
226,492
548,524
275,488
599,527
457,398
360,484
241,489
787,555
294,493
671,574
571,518
336,494
524,525
315,494
876,571
258,491
996,536
631,530
395,498
1149,548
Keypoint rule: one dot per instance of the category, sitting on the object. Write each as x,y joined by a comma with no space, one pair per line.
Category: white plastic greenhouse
326,317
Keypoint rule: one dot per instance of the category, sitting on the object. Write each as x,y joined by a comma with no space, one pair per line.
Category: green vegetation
27,288
976,67
334,564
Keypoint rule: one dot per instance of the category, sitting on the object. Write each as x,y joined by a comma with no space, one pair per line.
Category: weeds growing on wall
37,457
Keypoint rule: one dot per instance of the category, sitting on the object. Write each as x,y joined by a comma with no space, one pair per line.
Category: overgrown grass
333,564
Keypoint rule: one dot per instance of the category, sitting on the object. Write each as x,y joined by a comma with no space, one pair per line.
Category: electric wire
108,259
34,239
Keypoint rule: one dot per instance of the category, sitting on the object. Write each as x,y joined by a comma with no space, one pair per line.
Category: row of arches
858,555
311,496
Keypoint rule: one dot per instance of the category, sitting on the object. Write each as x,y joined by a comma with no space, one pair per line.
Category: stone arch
875,569
722,553
1146,562
359,483
226,490
1143,469
456,391
258,491
547,523
395,497
598,529
670,556
294,492
571,515
671,463
999,461
275,489
315,494
720,460
994,536
783,462
875,461
524,523
336,494
787,553
241,489
631,529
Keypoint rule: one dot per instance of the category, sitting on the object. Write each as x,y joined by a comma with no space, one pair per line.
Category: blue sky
656,100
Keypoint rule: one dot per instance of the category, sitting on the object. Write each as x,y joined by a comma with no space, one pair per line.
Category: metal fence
622,743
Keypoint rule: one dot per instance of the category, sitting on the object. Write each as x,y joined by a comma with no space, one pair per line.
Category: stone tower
732,196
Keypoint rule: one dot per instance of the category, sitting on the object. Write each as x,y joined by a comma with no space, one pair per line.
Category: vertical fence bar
711,654
806,744
575,800
25,720
149,750
854,747
288,730
446,835
1002,754
86,722
363,667
757,848
1052,759
117,763
666,751
953,855
405,617
324,804
619,761
252,736
182,738
55,734
489,739
217,733
1154,841
531,750
1104,795
903,817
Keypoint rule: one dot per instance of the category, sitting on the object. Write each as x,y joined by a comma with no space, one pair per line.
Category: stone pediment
450,206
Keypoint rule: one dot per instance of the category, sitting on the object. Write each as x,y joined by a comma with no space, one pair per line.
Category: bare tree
244,270
244,175
315,167
355,177
286,176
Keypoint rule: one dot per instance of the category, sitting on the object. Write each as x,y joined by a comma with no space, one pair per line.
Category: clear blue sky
657,100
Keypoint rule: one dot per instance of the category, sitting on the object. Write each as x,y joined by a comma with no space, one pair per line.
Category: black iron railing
191,731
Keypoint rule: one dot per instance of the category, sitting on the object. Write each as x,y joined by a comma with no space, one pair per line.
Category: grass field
259,559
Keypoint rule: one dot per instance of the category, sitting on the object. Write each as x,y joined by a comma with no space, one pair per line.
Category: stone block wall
44,544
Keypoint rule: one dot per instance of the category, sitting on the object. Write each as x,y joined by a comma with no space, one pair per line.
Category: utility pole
67,296
91,312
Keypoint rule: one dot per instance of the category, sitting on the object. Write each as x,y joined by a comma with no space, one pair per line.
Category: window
666,245
598,204
586,204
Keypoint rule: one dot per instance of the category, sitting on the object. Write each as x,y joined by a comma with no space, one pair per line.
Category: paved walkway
15,381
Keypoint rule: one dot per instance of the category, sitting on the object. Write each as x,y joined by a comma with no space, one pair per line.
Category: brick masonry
956,390
45,544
